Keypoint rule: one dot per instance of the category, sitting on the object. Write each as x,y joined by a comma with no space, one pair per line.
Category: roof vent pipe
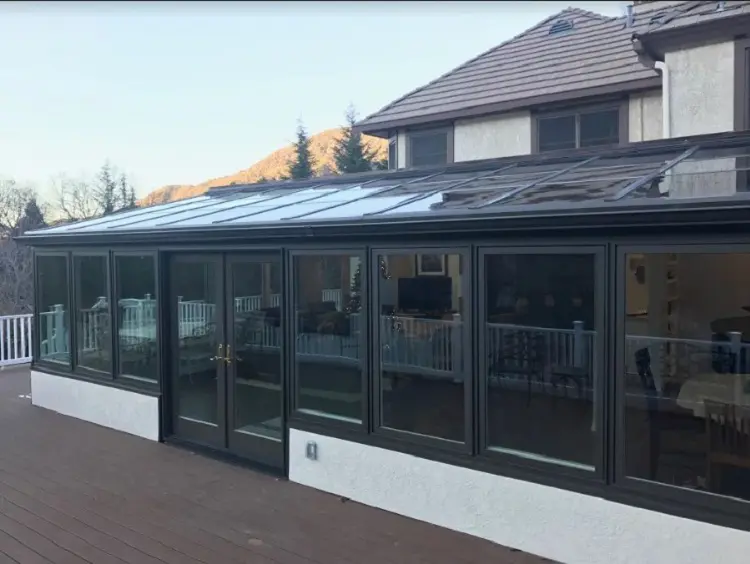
629,15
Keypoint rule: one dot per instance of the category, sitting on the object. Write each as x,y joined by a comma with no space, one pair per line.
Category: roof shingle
535,65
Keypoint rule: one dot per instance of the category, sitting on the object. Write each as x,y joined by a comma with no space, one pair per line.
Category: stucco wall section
561,525
503,135
126,411
645,117
702,89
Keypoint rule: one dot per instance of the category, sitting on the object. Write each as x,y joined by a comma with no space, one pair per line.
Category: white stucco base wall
561,525
126,411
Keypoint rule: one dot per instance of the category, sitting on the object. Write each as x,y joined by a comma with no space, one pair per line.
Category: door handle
218,354
228,358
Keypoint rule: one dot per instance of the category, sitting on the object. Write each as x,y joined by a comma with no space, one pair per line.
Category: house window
329,338
540,336
685,371
53,308
583,128
137,317
429,148
393,153
422,342
92,312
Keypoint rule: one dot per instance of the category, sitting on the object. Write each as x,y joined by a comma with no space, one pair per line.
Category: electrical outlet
311,450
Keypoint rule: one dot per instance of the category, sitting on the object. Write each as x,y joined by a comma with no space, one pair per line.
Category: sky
180,92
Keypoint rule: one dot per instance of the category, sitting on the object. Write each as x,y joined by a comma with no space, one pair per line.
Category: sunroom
569,331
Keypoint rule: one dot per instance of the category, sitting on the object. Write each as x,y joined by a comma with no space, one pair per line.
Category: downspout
666,97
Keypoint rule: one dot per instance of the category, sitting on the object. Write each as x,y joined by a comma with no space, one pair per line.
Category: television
425,293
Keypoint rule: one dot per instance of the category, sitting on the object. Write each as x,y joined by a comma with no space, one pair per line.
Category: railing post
59,329
578,348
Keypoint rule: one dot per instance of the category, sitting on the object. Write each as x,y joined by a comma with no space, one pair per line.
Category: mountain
271,167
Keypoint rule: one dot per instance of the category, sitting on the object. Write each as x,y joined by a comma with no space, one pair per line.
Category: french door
226,333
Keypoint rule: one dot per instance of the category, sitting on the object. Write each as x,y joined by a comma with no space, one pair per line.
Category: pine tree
131,198
105,193
33,217
301,166
124,193
350,154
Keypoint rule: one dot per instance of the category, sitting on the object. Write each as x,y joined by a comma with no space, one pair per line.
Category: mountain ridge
271,167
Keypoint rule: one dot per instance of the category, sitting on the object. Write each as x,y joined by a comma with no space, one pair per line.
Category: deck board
74,492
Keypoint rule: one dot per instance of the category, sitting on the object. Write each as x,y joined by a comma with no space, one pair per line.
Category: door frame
201,433
252,448
264,450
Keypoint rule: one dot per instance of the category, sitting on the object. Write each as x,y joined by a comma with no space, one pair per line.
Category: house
534,328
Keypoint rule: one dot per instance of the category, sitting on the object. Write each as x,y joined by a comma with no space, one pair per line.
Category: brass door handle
218,354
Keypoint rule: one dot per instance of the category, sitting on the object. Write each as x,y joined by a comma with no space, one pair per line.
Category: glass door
198,366
253,358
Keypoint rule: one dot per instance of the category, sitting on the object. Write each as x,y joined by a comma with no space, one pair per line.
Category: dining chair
728,432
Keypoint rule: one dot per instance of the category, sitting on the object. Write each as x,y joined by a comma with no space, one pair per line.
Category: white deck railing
15,339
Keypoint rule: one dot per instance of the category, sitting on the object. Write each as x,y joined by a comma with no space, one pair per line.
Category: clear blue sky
179,92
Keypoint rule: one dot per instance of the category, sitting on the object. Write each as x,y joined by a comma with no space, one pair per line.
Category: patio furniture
728,432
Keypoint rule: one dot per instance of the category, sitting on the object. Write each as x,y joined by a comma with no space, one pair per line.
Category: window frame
295,414
467,447
66,368
115,320
90,373
393,143
693,504
620,105
449,132
601,383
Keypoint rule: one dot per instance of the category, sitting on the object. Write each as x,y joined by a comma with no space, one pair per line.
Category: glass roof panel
145,219
221,204
254,208
358,208
417,206
133,215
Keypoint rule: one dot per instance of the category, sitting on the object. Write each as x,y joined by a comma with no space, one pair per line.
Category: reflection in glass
256,347
135,282
93,336
540,340
195,290
329,349
687,370
54,320
420,305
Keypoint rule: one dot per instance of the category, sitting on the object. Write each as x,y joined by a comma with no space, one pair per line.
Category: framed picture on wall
431,265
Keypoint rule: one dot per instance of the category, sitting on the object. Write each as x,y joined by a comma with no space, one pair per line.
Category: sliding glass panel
93,337
687,370
329,353
540,339
421,326
137,317
53,308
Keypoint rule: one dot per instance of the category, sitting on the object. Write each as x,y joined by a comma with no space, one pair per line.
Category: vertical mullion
578,130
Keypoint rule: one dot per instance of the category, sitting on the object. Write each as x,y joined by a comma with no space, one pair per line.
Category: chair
728,432
521,354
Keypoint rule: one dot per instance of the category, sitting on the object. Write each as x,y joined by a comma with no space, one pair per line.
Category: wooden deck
73,492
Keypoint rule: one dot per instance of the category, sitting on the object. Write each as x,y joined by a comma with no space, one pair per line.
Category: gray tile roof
529,68
686,14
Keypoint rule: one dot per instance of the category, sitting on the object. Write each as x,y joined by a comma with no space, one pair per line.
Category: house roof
594,57
570,184
689,14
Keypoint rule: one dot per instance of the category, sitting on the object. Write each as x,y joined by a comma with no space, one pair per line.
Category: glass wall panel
421,309
686,370
540,340
137,316
53,308
329,335
93,337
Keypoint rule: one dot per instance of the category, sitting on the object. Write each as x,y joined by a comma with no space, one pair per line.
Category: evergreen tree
131,198
124,193
33,217
350,154
105,193
301,166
